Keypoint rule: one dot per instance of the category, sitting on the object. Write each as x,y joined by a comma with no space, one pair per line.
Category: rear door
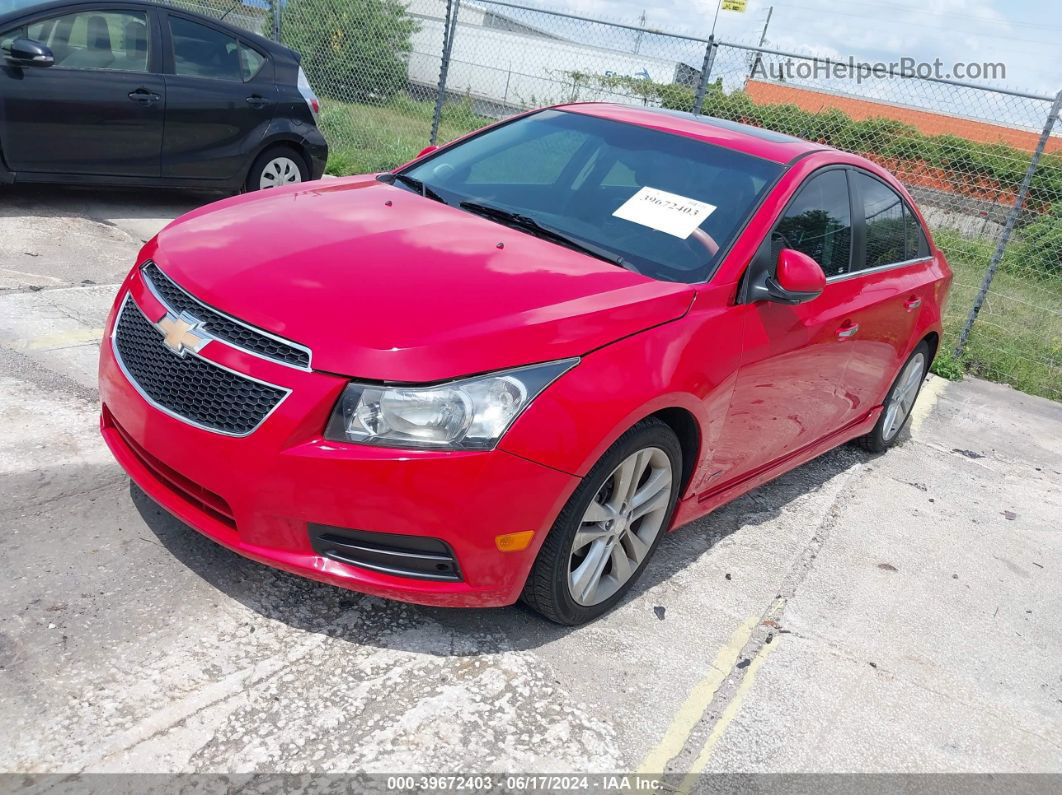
887,286
790,389
99,109
220,98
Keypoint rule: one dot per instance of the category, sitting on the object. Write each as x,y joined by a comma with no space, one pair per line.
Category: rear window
668,204
251,61
917,243
199,51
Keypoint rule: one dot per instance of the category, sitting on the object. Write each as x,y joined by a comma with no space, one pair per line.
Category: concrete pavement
892,613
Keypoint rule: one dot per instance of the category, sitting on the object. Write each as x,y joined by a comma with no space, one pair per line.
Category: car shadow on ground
77,201
317,607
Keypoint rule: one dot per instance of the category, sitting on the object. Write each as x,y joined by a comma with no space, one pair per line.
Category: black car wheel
276,166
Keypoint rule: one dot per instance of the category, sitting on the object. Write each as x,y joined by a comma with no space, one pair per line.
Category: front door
98,110
790,388
220,99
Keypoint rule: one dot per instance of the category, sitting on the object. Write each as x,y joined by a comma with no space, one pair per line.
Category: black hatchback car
132,93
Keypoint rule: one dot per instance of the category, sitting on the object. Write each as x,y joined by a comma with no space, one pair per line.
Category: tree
351,49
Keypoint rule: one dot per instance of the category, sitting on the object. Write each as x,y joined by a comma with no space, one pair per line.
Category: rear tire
609,527
277,166
899,402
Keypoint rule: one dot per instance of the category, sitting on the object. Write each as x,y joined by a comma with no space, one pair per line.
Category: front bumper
259,494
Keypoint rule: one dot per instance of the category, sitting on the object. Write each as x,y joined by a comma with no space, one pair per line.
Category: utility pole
638,41
715,21
763,38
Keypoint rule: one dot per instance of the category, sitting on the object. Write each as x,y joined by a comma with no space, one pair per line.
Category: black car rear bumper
317,153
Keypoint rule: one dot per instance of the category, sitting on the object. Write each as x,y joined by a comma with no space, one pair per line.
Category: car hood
383,284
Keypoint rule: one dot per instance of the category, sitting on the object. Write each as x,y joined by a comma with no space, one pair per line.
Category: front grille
221,326
401,555
188,387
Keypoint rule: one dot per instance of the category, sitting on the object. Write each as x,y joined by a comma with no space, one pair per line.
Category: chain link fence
984,163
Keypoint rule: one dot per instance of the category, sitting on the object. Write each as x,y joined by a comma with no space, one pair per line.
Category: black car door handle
256,101
144,97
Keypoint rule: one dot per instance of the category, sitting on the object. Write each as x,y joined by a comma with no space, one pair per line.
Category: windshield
658,203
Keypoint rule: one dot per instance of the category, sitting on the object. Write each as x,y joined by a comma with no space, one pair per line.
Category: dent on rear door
882,306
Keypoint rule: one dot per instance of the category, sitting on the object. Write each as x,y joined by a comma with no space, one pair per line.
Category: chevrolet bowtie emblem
182,333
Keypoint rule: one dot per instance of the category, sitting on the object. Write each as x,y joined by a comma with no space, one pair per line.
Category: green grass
1017,338
367,138
947,366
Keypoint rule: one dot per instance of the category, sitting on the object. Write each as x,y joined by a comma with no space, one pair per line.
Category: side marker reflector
514,542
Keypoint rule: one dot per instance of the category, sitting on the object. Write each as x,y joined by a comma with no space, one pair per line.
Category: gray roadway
893,613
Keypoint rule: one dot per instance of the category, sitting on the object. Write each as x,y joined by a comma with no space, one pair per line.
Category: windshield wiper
411,182
531,226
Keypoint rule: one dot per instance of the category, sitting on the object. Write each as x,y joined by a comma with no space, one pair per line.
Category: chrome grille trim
128,301
204,312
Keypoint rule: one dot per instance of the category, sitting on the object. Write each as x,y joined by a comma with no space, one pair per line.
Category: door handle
848,329
912,303
144,97
256,101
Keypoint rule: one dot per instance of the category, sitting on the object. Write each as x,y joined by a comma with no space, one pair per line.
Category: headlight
471,414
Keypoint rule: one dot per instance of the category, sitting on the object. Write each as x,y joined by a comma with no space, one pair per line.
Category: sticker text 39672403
667,212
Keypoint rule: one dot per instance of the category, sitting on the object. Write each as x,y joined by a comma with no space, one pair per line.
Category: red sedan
503,370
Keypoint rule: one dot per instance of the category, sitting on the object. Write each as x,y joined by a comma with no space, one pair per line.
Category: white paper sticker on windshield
667,212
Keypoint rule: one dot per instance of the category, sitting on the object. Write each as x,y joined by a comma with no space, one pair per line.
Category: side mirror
427,150
797,279
27,52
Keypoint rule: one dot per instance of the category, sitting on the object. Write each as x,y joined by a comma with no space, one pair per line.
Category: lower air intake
399,555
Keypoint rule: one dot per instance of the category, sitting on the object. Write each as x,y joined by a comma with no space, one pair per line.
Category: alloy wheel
903,396
279,171
619,526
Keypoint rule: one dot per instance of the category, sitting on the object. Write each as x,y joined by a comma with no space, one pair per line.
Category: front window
664,205
818,223
96,39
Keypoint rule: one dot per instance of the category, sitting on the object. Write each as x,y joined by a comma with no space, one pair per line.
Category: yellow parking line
931,391
731,711
63,339
697,702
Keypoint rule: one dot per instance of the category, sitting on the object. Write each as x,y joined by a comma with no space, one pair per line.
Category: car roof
745,138
35,8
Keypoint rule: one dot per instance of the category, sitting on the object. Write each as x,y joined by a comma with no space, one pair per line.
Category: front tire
277,166
609,528
896,410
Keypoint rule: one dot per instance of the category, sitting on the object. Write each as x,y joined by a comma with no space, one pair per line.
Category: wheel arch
932,339
683,422
578,451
